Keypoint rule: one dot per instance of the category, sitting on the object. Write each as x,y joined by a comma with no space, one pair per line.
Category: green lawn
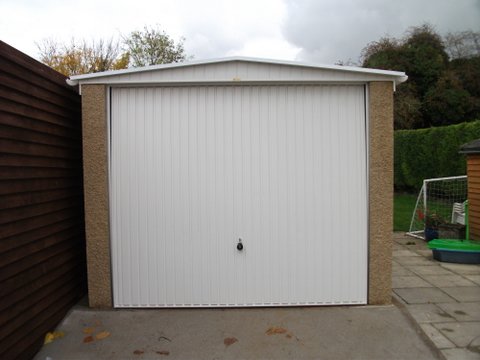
403,205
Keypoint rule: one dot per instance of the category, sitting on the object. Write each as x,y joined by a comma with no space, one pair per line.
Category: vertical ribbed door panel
195,169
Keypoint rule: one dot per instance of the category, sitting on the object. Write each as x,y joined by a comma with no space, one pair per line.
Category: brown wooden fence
42,256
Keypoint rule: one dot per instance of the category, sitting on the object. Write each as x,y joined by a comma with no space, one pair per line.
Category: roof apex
397,76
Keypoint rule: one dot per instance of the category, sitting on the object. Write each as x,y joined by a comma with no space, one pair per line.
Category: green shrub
430,153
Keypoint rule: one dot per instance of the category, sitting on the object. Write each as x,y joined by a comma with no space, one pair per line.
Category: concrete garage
238,182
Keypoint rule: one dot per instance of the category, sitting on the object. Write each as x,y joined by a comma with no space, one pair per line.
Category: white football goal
440,201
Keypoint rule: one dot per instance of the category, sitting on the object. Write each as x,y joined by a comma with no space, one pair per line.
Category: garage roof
238,70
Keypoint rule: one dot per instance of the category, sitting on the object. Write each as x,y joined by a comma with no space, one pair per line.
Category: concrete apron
337,332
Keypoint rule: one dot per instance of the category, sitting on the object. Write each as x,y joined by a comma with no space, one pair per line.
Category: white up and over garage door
196,168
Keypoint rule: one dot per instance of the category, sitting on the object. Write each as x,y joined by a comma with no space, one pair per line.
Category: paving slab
423,295
460,354
396,265
427,313
473,278
419,245
448,313
403,252
409,242
414,260
426,253
448,280
430,270
440,341
468,311
461,334
401,239
340,332
414,281
399,270
463,293
462,269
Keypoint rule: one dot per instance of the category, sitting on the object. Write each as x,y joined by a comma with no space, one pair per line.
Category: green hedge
430,153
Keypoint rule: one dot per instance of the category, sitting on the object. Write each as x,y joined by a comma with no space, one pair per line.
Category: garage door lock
239,245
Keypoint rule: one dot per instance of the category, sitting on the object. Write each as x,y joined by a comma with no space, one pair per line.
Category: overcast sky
322,31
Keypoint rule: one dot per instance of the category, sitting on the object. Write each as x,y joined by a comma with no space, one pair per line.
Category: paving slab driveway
443,298
337,332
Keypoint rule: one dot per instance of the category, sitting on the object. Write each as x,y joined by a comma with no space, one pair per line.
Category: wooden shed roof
471,147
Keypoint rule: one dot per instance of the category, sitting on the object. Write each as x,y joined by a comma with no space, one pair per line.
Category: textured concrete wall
380,192
95,167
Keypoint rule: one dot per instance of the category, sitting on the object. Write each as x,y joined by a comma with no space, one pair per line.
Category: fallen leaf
274,330
88,339
48,338
229,341
58,334
51,336
88,330
138,352
102,335
163,352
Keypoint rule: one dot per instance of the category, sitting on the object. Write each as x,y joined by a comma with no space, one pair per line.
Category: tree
348,62
462,44
420,54
438,91
447,102
140,48
468,72
82,57
426,59
407,108
385,53
153,46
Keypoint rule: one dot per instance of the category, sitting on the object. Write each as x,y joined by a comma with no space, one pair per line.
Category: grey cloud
332,30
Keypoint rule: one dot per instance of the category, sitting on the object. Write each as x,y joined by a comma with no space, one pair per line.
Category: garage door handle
239,245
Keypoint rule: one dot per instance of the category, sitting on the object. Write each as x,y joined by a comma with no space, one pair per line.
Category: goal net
440,200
